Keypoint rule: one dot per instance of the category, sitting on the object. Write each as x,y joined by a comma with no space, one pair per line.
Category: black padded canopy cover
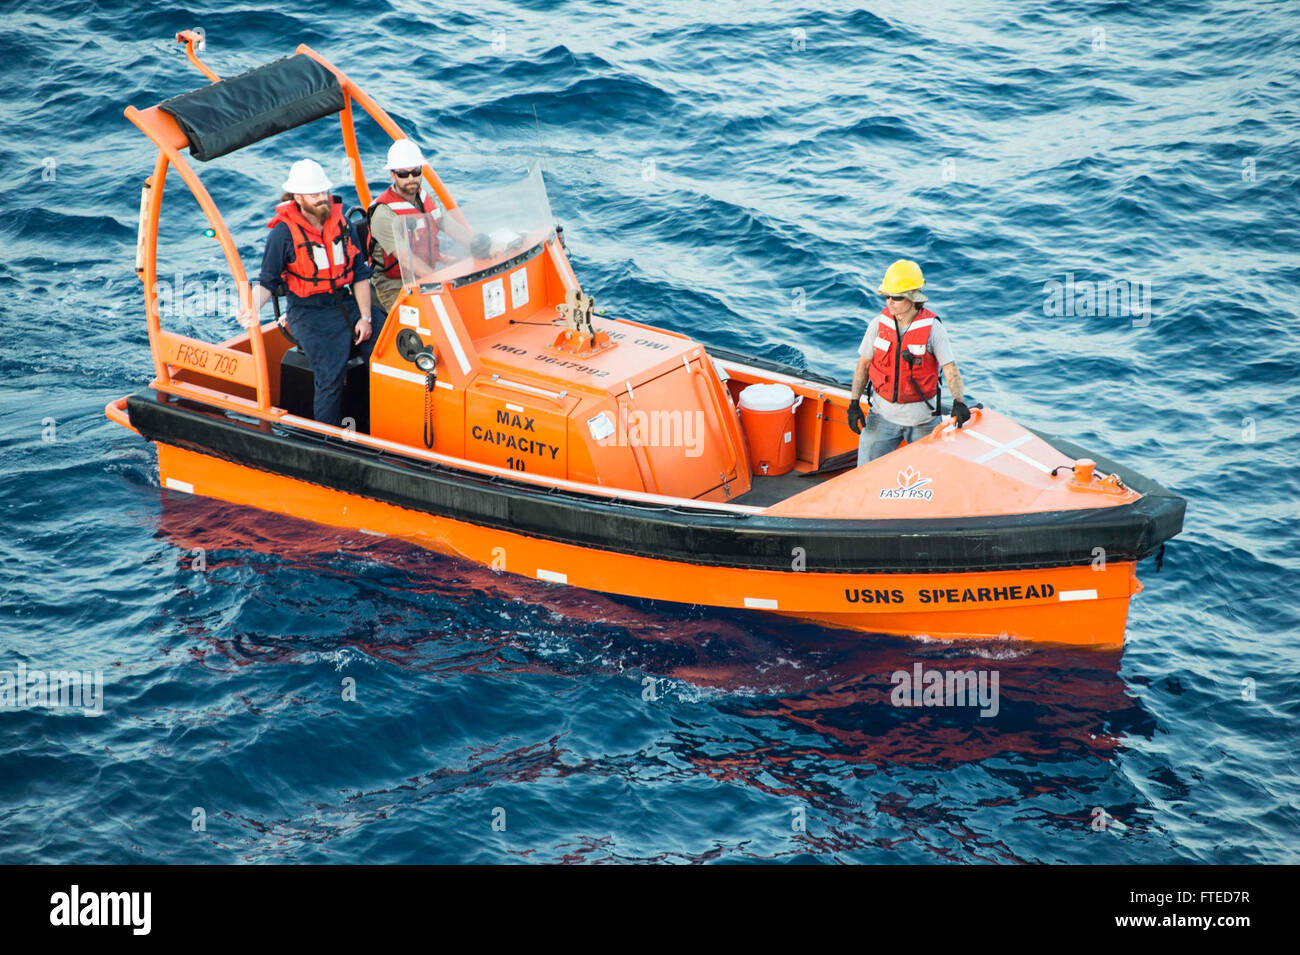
244,109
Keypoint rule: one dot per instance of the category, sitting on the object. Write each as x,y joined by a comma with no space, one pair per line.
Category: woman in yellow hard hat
900,358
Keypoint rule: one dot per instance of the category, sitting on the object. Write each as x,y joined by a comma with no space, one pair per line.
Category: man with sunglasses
900,358
403,198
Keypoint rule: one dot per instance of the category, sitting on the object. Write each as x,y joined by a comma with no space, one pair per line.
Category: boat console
526,376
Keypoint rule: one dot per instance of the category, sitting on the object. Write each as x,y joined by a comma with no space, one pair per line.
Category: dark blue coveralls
317,323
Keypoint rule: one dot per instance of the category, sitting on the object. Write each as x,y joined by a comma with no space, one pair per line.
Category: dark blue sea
742,172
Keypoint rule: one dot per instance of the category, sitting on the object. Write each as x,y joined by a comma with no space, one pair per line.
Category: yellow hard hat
903,276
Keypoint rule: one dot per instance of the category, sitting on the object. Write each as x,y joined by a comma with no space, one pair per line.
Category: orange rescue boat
502,420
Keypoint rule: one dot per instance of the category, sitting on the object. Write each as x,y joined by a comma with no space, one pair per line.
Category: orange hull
1085,607
502,420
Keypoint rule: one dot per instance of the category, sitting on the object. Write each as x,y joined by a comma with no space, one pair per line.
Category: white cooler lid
767,397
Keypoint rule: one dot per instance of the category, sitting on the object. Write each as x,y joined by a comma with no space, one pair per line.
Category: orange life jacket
424,239
323,255
892,377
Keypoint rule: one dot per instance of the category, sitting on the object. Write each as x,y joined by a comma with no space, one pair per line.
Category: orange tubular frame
164,132
189,38
352,92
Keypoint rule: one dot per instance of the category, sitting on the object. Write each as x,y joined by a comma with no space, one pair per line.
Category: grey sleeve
941,345
868,340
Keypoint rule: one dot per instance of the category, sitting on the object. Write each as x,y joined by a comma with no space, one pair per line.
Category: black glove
856,418
960,412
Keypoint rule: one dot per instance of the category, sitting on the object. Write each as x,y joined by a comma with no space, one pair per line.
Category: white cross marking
990,455
1008,447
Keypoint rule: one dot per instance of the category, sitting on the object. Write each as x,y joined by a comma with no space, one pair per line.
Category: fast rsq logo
911,487
102,908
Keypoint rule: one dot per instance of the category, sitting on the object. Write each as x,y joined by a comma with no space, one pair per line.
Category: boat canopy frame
216,120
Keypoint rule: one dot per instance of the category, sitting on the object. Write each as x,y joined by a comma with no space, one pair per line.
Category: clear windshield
482,231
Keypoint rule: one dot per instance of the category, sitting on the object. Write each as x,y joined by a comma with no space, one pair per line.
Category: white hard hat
306,176
404,154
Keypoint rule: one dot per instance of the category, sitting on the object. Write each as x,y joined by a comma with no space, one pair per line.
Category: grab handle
976,413
556,396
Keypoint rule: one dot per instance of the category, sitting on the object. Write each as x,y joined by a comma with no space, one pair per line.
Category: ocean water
743,173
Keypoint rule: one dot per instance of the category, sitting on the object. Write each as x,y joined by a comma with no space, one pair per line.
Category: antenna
541,148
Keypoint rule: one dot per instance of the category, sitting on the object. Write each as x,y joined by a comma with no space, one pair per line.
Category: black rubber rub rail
684,534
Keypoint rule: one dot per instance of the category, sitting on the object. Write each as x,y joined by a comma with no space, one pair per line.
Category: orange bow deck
511,425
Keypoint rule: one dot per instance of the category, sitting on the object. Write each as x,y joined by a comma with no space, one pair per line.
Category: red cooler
767,415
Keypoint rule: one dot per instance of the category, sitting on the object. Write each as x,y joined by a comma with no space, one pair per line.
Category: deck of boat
766,491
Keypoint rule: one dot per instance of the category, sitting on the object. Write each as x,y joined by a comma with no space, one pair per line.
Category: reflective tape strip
916,349
923,323
760,603
882,343
562,265
415,377
1077,595
553,576
457,349
176,485
400,373
395,206
1030,461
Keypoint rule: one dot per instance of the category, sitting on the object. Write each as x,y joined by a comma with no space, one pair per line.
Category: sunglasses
406,173
896,298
